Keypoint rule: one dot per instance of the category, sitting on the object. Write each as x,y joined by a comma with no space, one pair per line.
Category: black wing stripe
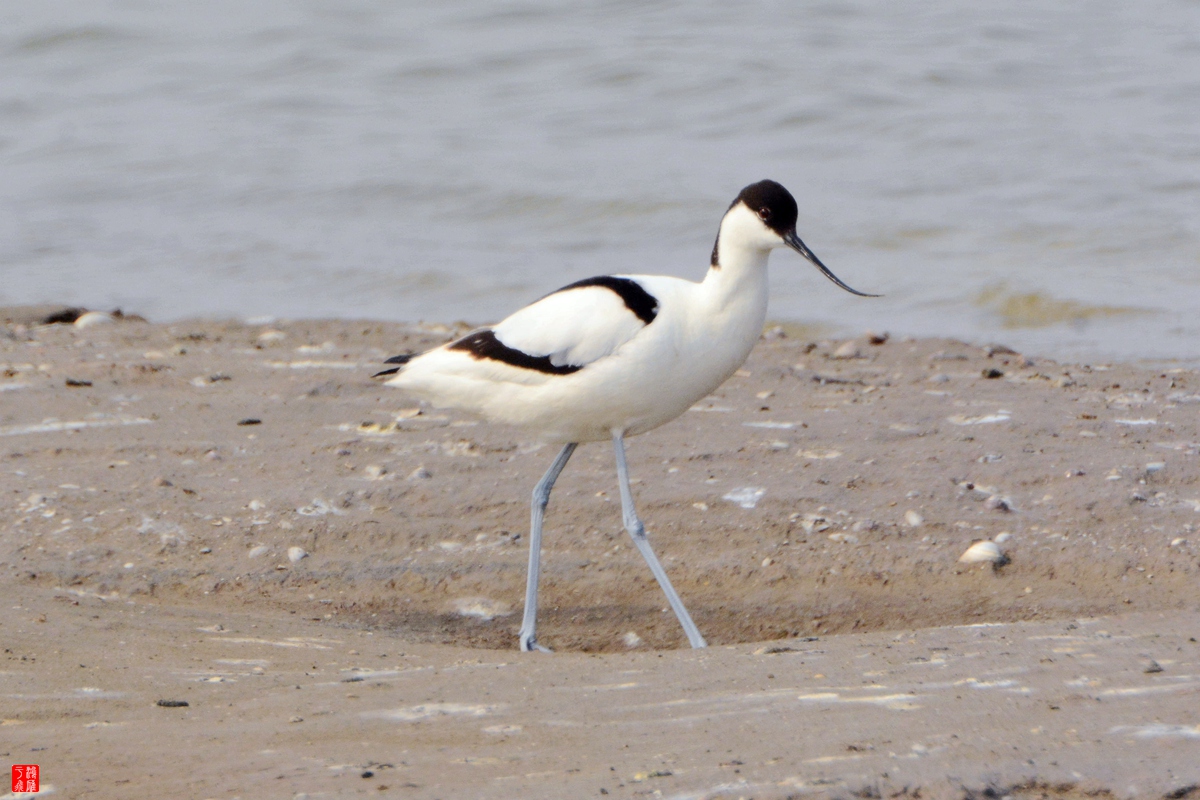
483,344
400,359
636,299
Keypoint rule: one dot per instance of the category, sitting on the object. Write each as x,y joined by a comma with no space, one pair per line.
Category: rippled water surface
1019,172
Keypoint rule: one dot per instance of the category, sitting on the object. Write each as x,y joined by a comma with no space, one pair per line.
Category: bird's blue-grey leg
537,512
638,532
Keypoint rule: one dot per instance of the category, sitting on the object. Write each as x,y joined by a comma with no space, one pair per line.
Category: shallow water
1002,172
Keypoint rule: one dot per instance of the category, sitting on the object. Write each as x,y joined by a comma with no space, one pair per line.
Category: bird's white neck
738,274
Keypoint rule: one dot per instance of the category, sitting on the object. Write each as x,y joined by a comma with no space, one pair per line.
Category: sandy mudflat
335,589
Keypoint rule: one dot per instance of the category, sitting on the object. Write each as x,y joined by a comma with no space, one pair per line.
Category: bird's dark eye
764,213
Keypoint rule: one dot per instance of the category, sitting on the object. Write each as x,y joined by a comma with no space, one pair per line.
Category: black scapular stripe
636,299
483,344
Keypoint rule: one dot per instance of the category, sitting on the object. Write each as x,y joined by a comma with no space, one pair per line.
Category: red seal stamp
26,778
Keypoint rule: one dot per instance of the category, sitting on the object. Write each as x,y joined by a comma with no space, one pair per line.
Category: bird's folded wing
574,326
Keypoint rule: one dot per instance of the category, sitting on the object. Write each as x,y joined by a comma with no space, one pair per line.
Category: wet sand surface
221,513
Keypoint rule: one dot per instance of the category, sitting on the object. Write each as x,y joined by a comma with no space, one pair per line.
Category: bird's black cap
773,204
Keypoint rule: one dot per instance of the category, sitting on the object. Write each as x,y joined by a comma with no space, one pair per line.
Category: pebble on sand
746,497
998,503
982,419
260,550
982,552
420,474
913,519
296,554
318,508
631,640
847,350
91,318
483,608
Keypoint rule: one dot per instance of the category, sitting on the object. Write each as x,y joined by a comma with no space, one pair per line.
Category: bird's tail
402,359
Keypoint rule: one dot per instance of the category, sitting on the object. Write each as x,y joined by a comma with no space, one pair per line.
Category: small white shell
913,519
847,350
483,608
91,318
746,497
295,554
998,503
981,552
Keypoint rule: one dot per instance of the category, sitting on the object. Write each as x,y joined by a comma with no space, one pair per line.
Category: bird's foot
529,644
